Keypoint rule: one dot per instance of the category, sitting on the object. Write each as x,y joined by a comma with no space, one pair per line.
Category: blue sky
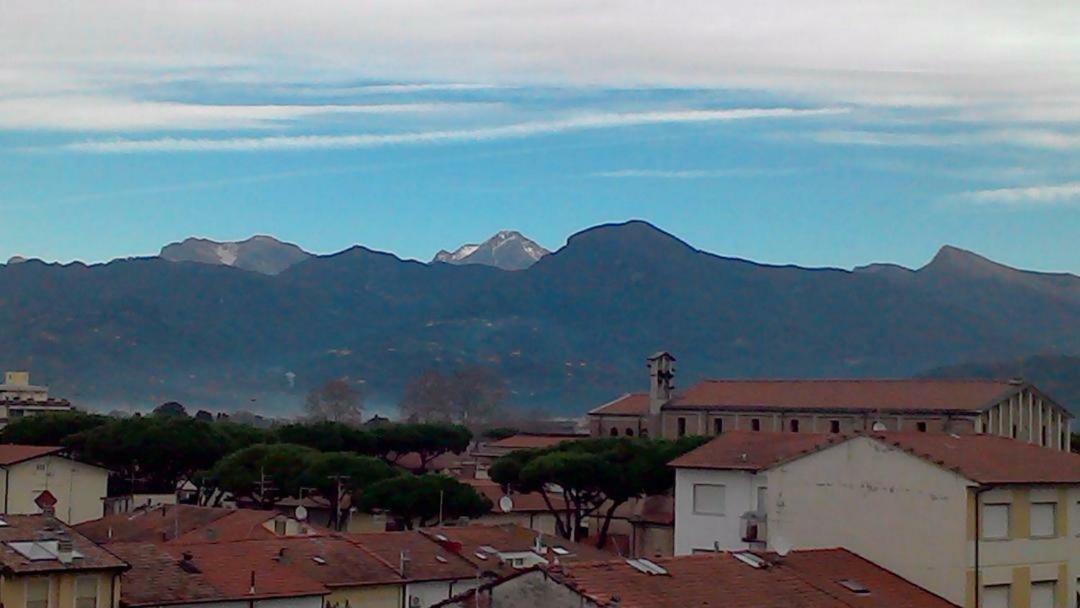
851,133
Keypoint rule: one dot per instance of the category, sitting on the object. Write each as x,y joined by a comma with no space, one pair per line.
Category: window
995,521
37,592
794,426
681,423
920,426
1014,432
614,432
1043,437
761,506
755,424
279,527
708,499
1043,520
1042,594
86,590
629,432
834,426
996,596
718,426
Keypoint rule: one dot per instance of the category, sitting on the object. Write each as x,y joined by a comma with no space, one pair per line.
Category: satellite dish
301,512
879,426
782,547
506,504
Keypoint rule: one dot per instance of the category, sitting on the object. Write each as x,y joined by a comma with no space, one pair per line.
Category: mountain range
508,249
566,333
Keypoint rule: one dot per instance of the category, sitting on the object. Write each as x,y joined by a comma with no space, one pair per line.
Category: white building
19,398
28,470
956,514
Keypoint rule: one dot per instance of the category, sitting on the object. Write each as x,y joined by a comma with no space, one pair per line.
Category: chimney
65,548
661,380
404,563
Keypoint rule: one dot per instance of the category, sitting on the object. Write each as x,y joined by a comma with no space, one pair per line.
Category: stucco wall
61,588
433,592
375,596
78,488
893,508
531,590
698,531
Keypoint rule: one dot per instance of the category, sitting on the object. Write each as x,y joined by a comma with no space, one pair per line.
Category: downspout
978,536
7,488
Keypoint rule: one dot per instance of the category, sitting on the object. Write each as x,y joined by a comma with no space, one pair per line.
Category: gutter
978,536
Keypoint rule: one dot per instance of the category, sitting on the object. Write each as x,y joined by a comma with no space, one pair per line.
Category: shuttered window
995,521
1044,519
996,596
708,499
1042,594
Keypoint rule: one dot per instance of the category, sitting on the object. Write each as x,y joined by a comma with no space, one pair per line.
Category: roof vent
854,586
1016,381
645,566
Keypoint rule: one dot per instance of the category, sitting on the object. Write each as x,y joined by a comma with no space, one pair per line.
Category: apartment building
1009,408
981,520
19,398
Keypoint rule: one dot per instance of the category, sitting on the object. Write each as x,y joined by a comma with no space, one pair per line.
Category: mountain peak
506,249
954,259
260,253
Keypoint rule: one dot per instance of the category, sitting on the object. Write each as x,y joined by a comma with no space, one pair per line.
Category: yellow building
27,471
47,565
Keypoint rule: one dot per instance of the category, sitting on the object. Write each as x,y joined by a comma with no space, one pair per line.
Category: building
831,578
486,453
30,470
190,524
429,572
1009,408
19,398
528,510
496,550
640,527
960,515
46,563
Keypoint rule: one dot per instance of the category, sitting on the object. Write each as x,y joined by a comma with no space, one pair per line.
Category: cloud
1067,194
479,134
1030,138
89,113
686,173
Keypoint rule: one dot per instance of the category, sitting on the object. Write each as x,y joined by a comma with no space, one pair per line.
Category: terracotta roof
337,562
45,529
509,538
183,524
214,572
989,459
630,404
13,454
888,395
808,579
237,524
428,561
532,502
525,441
752,451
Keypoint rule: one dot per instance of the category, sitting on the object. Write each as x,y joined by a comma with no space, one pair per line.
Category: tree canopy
416,499
327,436
50,428
429,440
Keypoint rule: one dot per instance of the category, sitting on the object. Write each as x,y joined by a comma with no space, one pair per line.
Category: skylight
646,566
560,551
440,559
40,550
488,549
750,559
480,555
854,586
318,560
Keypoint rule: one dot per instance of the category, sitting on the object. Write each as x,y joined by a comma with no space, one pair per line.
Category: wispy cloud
1067,194
1029,138
511,131
687,173
91,113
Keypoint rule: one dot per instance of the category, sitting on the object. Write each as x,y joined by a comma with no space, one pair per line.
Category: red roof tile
532,502
13,454
182,524
990,459
808,579
427,560
509,538
525,441
889,395
630,404
752,451
43,528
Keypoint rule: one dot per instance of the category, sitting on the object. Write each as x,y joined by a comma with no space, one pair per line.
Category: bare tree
336,401
470,395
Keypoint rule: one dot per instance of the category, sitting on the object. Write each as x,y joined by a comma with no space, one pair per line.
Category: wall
530,590
697,531
78,488
893,508
375,596
538,522
433,592
703,422
62,589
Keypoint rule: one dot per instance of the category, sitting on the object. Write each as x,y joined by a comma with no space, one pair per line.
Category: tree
49,428
338,474
499,432
171,408
428,441
336,401
416,499
327,436
596,476
470,395
264,472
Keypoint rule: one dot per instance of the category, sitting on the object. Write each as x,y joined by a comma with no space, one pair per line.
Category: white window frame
1053,519
983,519
723,499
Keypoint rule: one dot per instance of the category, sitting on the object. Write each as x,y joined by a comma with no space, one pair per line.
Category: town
775,492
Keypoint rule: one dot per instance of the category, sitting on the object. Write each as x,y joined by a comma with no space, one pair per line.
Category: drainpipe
978,537
7,488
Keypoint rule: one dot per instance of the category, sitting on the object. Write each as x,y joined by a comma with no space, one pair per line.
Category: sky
831,133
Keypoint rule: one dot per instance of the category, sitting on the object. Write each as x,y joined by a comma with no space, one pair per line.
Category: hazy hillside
567,333
1057,375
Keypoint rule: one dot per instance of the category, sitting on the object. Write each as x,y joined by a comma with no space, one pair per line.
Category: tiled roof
630,404
752,451
508,538
156,524
523,441
13,454
213,572
337,562
43,529
990,459
532,502
237,524
807,579
427,560
862,395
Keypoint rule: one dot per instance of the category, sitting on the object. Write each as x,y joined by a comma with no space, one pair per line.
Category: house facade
1008,408
28,471
978,519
